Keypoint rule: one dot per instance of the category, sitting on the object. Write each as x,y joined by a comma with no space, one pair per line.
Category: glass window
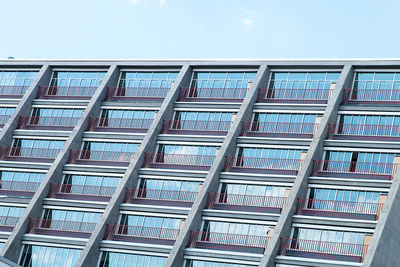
110,259
21,181
33,255
15,82
198,263
71,220
369,125
253,190
222,79
77,78
36,148
376,86
139,79
5,114
89,184
9,211
119,118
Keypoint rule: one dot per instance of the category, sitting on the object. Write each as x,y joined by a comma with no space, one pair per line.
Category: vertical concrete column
385,244
90,254
315,151
193,220
12,247
25,105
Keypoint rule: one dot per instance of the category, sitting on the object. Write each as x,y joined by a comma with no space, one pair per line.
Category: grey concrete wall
211,182
12,247
315,151
25,105
90,254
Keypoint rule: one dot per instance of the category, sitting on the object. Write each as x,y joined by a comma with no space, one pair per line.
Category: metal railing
293,95
43,122
100,157
323,249
119,124
354,169
364,132
226,241
160,197
28,154
7,223
20,188
371,96
141,234
12,91
137,93
66,92
212,94
196,127
339,209
82,192
278,129
268,204
181,161
60,228
262,165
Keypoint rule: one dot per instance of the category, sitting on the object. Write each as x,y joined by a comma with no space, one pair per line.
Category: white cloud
248,17
248,22
135,2
163,2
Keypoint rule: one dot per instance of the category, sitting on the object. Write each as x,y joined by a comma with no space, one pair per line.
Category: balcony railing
81,192
178,161
339,209
4,119
119,125
12,91
292,95
7,223
262,165
28,154
371,96
323,250
141,234
364,132
251,203
66,92
47,123
60,228
229,242
109,158
212,94
278,129
354,169
137,93
18,188
196,127
160,197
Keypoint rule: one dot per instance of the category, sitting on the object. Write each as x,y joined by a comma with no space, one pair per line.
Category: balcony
66,92
94,157
60,228
7,223
160,197
212,94
262,165
371,96
339,209
364,132
33,154
323,250
119,125
156,94
141,234
4,119
278,129
18,188
12,91
178,161
47,123
292,95
81,192
354,169
196,127
247,203
228,242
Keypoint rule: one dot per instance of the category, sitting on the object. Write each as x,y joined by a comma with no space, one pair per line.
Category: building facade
200,163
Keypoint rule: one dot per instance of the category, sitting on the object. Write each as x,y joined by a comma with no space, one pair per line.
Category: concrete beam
315,151
12,247
90,254
211,182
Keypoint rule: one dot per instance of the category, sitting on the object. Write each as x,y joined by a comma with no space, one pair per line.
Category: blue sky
112,29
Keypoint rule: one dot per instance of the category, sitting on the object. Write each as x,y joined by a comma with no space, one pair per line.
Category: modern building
200,163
